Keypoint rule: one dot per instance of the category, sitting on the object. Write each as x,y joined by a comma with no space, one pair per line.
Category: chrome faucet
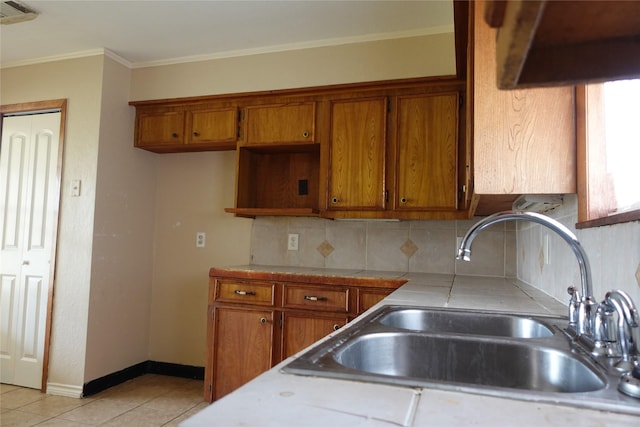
623,341
582,305
610,329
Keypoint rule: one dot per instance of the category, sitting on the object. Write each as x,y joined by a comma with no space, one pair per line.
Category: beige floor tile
7,387
15,418
143,416
98,411
176,421
149,400
53,405
19,397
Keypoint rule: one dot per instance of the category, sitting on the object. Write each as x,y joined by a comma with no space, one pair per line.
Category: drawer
250,292
322,298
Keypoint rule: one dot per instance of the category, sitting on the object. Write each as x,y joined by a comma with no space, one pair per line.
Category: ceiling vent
12,12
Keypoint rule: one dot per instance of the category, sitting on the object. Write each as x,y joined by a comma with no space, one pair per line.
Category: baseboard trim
149,367
65,390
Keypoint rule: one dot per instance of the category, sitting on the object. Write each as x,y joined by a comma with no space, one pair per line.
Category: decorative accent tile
409,248
638,274
541,258
325,248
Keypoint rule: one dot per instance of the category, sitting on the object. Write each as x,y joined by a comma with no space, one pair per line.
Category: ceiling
152,32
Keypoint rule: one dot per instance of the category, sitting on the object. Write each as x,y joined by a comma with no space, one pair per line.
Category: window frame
595,196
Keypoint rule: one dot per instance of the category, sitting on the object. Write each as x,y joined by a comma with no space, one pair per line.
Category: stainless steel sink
466,322
505,355
470,361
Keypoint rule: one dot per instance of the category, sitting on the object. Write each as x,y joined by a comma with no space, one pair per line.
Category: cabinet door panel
277,124
210,126
164,128
357,159
243,347
300,330
427,174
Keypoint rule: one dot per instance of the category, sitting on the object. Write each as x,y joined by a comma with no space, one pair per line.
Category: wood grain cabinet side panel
524,140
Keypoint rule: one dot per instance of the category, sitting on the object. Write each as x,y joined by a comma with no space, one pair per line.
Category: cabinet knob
305,134
175,135
403,200
335,200
196,134
336,327
263,320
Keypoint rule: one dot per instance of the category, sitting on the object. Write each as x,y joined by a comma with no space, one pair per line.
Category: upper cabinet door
427,141
357,154
212,126
160,128
281,124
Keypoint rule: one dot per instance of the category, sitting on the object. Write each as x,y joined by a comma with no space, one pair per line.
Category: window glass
621,101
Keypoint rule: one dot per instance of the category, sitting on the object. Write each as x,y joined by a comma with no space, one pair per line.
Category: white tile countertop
279,399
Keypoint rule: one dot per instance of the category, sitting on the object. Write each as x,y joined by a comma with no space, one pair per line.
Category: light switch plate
75,187
292,242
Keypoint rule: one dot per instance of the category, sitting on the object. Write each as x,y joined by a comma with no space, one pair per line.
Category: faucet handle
574,306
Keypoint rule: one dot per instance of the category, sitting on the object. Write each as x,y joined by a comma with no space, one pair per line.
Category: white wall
80,81
122,261
613,252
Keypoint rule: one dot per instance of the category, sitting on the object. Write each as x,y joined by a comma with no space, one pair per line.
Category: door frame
27,108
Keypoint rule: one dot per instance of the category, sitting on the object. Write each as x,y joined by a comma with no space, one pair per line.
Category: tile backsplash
525,250
613,252
404,246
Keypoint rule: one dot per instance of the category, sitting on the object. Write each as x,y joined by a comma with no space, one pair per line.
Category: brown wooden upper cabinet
281,124
427,152
155,129
523,140
398,156
181,128
544,42
212,126
357,159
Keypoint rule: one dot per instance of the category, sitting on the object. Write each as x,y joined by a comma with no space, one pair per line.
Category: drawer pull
238,292
313,298
336,327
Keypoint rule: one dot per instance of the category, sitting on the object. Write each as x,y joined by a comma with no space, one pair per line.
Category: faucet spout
464,251
586,303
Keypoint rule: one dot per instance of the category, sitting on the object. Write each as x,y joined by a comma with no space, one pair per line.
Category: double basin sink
498,354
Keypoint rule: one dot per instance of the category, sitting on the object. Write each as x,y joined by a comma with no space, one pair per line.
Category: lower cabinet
247,349
300,330
255,324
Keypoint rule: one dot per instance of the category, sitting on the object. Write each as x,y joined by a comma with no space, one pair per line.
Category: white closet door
29,197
